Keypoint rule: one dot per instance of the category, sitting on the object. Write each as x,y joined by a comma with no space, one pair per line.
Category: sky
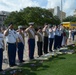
13,5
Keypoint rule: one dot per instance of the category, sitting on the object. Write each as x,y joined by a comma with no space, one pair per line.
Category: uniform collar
11,29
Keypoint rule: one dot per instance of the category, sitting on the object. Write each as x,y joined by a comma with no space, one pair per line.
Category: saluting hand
45,26
9,26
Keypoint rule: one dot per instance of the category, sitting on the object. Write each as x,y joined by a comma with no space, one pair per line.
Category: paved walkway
5,58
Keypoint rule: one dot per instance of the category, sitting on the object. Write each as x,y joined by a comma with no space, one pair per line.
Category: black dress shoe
51,51
14,64
21,61
11,65
31,58
1,70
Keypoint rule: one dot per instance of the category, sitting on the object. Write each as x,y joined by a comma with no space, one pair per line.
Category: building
51,10
57,12
63,14
74,13
3,16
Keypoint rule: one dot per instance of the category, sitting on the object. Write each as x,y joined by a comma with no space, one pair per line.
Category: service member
61,30
40,41
31,39
11,38
45,35
55,37
21,43
59,37
51,38
1,49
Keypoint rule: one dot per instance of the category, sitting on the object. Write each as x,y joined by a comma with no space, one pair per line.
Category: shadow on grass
27,72
58,57
18,72
61,58
28,68
35,66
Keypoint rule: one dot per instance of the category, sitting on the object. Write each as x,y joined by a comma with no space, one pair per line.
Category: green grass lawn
60,65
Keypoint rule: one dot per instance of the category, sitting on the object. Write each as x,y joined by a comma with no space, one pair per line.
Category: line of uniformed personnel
15,41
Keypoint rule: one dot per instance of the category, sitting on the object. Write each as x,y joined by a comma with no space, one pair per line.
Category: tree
70,19
56,20
32,14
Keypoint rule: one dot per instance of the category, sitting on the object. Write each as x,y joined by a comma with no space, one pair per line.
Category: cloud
12,5
29,3
6,5
52,4
68,5
42,3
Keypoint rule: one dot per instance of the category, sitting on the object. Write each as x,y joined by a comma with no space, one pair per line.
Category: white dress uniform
12,36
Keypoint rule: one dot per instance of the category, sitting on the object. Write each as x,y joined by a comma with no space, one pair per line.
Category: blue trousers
45,45
61,40
31,44
1,57
12,53
50,44
55,41
73,36
39,45
20,51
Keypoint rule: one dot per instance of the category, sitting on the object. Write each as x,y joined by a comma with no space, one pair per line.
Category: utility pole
61,10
